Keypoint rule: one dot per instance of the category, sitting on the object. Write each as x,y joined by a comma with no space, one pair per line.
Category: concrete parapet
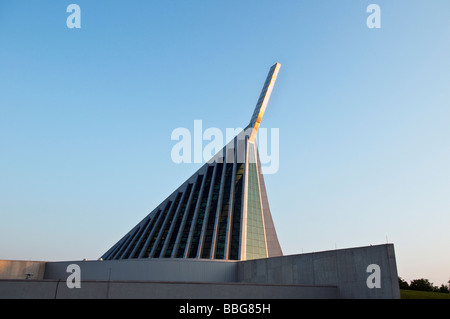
152,269
21,269
57,289
362,272
345,268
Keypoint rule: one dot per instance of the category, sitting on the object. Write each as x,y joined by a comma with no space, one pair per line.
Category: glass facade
187,225
193,248
176,226
115,253
139,242
216,211
256,243
204,219
223,219
166,227
146,234
154,234
236,216
209,232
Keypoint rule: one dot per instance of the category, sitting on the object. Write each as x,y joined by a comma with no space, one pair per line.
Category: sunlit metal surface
263,100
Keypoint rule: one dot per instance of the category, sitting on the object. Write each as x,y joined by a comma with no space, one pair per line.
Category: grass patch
415,294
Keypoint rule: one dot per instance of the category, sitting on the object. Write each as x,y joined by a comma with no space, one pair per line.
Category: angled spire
263,100
220,212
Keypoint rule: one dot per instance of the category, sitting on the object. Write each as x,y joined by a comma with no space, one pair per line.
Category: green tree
402,283
421,284
444,288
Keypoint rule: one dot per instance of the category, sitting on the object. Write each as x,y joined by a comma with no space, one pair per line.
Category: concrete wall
330,274
56,289
344,268
17,269
191,270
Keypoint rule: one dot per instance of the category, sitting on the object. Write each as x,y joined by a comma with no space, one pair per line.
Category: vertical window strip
207,241
198,225
187,225
176,226
122,250
256,246
237,213
222,229
130,246
119,245
145,235
112,250
166,226
155,231
135,241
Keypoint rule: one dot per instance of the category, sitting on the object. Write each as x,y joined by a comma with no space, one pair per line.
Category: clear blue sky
86,117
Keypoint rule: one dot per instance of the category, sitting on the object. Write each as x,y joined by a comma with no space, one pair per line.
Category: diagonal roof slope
220,212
